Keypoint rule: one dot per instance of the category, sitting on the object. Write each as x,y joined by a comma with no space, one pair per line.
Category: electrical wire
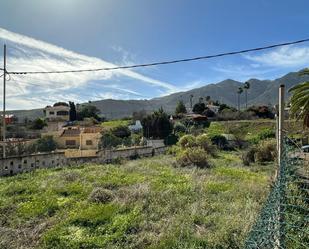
164,62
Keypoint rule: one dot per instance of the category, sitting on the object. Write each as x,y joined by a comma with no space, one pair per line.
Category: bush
38,124
44,144
121,131
266,151
204,142
220,141
187,141
249,156
267,133
179,128
193,156
109,140
171,139
101,195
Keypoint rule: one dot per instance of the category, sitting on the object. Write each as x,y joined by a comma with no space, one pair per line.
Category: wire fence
284,219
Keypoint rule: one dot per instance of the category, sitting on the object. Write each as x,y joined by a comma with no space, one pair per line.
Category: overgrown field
147,203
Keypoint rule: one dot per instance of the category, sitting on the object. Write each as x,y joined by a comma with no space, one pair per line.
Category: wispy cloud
28,54
288,56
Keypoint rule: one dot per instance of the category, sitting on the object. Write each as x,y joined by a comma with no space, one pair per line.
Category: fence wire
284,220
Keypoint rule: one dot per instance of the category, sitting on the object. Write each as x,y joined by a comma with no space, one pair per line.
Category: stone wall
20,164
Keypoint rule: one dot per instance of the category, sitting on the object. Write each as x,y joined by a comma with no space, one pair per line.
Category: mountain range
261,92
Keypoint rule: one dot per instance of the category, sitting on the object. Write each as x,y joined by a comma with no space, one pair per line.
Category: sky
81,34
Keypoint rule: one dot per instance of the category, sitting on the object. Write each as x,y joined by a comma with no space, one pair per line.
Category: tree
199,108
45,144
72,113
208,99
38,124
180,108
300,101
157,125
88,111
239,91
246,87
121,131
209,113
109,140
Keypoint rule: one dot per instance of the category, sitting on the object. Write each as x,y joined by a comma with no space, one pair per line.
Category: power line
164,62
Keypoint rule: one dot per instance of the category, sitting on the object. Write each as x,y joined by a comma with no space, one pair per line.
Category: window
53,162
25,161
12,163
43,163
32,165
88,142
62,113
70,142
19,166
51,113
6,168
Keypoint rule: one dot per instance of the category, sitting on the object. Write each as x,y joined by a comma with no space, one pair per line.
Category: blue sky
70,34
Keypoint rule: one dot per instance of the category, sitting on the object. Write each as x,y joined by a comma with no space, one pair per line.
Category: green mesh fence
284,219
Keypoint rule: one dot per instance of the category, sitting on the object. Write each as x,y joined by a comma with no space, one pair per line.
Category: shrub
101,195
249,156
171,139
44,144
38,124
121,131
266,151
204,142
267,133
109,140
193,156
220,141
179,127
187,141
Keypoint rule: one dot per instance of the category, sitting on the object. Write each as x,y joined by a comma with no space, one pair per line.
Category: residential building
83,138
57,112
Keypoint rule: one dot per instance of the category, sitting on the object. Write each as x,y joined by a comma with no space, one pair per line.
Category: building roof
75,132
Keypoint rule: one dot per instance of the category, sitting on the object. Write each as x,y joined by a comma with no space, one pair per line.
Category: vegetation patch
146,203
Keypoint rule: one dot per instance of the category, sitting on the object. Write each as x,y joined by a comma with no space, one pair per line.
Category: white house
57,113
136,127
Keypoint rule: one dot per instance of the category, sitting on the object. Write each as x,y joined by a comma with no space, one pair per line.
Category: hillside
261,92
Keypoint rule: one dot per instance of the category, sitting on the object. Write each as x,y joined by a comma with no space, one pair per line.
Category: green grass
154,205
114,123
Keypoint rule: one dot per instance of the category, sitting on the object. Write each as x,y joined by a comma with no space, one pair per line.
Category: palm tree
239,91
246,87
300,101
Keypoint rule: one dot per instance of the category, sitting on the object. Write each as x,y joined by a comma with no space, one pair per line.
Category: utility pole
280,122
281,218
4,89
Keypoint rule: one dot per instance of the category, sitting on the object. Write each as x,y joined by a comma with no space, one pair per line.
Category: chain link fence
284,220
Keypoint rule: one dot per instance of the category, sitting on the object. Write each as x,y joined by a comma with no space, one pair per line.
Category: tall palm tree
246,87
300,101
239,91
